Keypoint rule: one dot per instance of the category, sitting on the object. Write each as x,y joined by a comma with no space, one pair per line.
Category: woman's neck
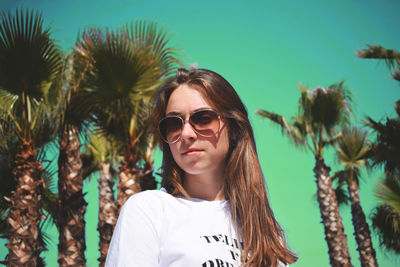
208,186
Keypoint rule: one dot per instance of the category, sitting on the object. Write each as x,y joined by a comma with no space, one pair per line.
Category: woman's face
196,154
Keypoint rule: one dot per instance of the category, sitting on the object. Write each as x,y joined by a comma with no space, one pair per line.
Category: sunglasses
204,122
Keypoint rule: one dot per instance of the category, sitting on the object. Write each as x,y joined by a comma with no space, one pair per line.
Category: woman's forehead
186,99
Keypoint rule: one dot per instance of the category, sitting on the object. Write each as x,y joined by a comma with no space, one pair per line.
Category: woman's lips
192,152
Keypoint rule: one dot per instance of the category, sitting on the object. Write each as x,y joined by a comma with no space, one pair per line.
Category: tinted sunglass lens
205,122
171,128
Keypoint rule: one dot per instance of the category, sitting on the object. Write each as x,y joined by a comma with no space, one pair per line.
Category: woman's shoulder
160,201
148,197
146,204
149,194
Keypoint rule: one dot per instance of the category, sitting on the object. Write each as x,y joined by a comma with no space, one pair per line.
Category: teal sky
265,49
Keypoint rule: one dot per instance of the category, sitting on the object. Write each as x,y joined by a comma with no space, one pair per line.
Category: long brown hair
263,238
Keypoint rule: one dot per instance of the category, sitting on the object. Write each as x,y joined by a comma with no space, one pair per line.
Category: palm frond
391,57
294,132
150,35
339,179
45,239
116,75
7,101
332,140
389,192
386,224
119,68
330,107
71,106
123,67
397,108
49,197
353,148
305,105
29,63
147,147
99,149
386,148
321,111
29,59
89,165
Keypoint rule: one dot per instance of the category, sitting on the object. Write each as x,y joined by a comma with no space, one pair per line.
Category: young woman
212,210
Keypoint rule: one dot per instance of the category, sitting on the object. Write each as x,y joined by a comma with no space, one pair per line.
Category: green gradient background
264,48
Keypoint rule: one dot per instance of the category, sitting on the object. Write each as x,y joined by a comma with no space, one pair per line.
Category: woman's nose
188,132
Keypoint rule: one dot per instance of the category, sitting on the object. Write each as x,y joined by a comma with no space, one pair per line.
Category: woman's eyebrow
174,113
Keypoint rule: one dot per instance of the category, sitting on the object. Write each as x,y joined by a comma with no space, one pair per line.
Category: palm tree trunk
71,204
361,229
334,231
107,211
129,183
24,215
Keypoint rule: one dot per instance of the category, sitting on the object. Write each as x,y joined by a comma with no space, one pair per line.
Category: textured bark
334,231
107,211
361,229
24,215
71,204
129,175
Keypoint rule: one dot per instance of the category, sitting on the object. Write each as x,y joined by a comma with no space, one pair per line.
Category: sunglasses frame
188,120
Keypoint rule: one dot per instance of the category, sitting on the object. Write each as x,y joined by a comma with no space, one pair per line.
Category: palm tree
29,65
353,150
101,156
320,112
127,65
8,152
386,216
386,153
391,57
73,108
71,202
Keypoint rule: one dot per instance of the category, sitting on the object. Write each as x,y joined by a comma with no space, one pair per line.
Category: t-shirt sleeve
136,237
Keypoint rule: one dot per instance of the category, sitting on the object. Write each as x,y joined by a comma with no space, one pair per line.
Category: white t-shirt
156,229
